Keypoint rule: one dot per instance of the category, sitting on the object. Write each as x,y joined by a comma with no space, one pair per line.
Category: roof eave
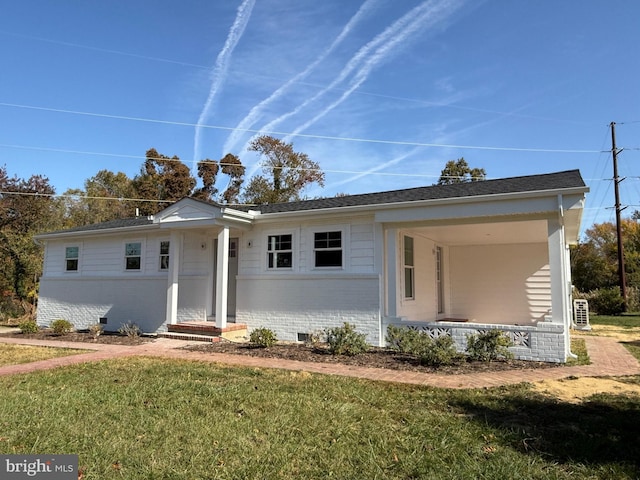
90,233
418,203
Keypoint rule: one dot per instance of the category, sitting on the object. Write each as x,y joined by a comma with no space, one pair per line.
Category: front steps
205,332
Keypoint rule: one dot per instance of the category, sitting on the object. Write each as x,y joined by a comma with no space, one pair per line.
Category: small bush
432,352
488,346
29,326
60,327
263,337
345,340
130,329
605,301
96,330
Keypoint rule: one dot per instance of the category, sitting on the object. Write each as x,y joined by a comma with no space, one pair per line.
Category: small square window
71,255
327,247
133,255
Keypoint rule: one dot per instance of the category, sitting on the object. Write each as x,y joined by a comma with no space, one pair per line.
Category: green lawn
139,418
14,354
627,320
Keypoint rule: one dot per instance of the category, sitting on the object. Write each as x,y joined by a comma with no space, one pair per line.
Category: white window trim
294,251
344,232
403,268
64,250
123,252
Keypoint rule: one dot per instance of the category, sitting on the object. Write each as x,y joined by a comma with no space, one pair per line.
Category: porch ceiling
532,231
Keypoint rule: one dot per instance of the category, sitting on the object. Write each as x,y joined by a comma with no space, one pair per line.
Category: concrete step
190,337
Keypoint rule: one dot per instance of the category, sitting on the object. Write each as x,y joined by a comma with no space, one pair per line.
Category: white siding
500,284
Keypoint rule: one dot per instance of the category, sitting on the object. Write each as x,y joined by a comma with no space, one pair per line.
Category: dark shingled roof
121,223
531,183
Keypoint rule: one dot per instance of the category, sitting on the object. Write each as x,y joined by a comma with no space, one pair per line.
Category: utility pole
616,181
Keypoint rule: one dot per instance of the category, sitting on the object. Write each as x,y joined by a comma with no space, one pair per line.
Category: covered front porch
463,277
202,264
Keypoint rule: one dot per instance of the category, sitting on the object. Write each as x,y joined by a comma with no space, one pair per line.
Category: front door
233,272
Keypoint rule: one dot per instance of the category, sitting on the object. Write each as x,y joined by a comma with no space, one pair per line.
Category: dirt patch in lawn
84,337
575,390
624,334
374,358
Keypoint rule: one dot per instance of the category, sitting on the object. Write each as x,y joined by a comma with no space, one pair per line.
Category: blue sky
381,93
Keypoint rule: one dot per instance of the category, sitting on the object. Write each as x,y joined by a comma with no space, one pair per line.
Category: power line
302,135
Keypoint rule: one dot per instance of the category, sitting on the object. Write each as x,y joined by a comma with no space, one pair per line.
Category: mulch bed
85,337
374,358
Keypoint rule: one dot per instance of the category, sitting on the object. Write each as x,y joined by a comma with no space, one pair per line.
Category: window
327,248
71,255
164,255
409,269
280,251
132,256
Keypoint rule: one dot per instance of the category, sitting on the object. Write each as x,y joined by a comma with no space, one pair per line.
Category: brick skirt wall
292,304
544,342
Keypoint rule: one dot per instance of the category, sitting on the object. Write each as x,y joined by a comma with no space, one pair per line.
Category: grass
15,354
627,320
141,418
579,348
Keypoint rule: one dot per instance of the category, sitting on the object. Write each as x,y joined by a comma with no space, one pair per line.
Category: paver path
608,357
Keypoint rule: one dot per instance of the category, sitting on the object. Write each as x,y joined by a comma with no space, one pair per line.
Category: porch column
391,271
175,247
222,279
558,268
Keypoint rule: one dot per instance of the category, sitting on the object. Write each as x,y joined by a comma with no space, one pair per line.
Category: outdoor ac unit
581,315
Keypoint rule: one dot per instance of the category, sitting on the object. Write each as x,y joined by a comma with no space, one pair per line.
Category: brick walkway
608,357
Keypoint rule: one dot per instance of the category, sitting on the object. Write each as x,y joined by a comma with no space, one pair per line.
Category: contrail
221,66
425,16
254,114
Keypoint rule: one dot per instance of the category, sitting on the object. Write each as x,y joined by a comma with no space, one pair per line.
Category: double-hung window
164,255
71,256
280,251
409,269
133,256
327,249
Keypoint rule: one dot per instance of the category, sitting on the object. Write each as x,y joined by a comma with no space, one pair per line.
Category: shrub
432,352
605,301
130,329
489,345
28,326
263,337
60,326
96,330
345,340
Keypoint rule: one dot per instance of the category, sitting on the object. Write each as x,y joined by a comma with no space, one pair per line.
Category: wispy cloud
220,69
255,113
425,16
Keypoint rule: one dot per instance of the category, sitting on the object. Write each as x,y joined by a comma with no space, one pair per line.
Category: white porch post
558,269
175,247
222,279
391,271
